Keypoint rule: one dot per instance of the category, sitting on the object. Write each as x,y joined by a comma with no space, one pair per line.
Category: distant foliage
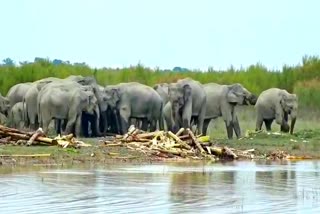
302,79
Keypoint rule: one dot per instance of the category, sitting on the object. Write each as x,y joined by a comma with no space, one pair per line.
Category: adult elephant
222,101
65,101
17,92
15,116
98,120
188,101
135,100
30,100
276,104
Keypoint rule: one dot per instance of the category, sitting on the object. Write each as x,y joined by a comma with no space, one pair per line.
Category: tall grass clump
300,78
308,92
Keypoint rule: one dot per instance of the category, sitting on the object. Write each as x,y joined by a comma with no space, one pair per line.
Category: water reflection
232,187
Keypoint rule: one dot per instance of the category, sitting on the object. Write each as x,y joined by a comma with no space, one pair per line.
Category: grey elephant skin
30,100
135,100
162,90
222,101
4,105
31,95
65,101
98,120
17,92
15,116
276,104
188,102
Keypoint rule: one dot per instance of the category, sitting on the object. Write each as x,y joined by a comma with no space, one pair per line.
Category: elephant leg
124,118
201,117
103,123
145,124
284,127
153,125
236,127
206,123
77,130
116,126
229,128
57,126
92,126
85,125
71,123
46,123
259,123
268,123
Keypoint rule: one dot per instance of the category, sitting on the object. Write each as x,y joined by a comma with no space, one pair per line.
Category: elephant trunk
96,128
252,99
103,123
293,116
176,117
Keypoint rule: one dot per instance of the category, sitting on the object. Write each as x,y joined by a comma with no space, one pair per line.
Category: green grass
300,78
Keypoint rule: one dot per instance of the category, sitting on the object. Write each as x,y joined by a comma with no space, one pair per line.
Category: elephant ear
84,99
283,96
186,92
235,94
115,93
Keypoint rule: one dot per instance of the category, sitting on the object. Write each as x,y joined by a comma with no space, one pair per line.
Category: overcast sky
161,33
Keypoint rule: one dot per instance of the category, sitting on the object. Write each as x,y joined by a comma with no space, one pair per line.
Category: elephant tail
25,112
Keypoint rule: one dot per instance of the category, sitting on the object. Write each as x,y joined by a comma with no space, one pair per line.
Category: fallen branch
31,155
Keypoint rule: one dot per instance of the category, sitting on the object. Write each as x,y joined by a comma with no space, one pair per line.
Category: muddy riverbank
303,145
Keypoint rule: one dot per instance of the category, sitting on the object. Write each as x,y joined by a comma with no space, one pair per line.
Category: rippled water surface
236,187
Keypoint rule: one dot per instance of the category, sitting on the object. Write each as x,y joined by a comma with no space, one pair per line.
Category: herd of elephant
81,106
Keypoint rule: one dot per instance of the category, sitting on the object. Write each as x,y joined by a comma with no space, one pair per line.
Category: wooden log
196,142
184,137
181,130
19,136
5,140
35,135
149,134
137,139
12,130
130,131
177,139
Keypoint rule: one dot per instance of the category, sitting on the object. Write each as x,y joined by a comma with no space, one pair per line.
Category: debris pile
183,144
18,137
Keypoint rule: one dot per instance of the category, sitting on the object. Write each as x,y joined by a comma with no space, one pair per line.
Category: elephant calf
275,103
16,115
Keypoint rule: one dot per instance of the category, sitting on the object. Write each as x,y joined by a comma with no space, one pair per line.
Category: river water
233,187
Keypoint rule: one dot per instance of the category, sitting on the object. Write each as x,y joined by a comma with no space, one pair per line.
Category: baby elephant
15,116
276,104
